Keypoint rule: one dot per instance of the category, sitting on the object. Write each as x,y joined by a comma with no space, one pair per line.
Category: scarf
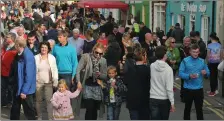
96,66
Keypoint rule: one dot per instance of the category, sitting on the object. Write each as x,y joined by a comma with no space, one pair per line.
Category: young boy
113,90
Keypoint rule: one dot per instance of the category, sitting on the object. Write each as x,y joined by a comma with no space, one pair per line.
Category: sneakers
211,94
216,92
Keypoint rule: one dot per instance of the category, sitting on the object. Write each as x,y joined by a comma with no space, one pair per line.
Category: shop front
192,16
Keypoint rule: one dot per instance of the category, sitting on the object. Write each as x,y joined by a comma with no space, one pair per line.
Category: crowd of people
45,57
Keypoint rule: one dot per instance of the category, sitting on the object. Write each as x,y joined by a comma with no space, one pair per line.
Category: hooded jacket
161,81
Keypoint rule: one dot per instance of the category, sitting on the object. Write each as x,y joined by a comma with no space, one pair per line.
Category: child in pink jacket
62,109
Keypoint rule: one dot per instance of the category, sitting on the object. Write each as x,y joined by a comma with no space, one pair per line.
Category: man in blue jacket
192,70
23,75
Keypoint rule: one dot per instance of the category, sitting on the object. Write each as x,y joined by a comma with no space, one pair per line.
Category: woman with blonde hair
173,54
91,73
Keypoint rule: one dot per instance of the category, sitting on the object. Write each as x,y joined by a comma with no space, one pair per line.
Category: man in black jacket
178,33
143,31
27,22
196,39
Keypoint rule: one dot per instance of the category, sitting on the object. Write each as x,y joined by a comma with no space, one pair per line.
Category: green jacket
173,54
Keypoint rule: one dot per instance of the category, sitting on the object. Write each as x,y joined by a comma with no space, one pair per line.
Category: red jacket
7,58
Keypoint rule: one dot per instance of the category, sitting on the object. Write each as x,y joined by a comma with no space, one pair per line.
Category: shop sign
193,8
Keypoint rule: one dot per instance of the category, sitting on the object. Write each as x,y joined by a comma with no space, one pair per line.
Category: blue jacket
189,66
26,73
66,58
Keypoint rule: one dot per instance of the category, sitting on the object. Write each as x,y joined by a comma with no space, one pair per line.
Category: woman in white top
47,78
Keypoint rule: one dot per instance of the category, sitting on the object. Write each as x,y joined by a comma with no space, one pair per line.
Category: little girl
62,109
113,94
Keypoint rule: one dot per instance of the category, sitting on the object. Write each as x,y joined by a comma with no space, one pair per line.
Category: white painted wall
220,20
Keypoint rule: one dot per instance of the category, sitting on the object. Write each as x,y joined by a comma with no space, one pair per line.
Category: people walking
137,79
77,42
178,33
192,70
184,52
95,71
113,92
161,91
66,58
24,82
7,56
214,58
47,79
196,39
61,102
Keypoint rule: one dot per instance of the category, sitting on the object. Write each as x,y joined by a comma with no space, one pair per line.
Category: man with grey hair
23,78
7,56
21,32
77,42
184,52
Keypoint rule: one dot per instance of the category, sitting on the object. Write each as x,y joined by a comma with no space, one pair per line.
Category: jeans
197,96
44,92
28,107
6,91
91,109
113,111
139,114
67,78
213,67
159,109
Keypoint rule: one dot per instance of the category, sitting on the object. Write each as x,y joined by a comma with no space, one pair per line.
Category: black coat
118,37
178,34
137,80
113,54
142,33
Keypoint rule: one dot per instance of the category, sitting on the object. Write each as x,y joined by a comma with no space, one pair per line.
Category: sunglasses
97,53
173,42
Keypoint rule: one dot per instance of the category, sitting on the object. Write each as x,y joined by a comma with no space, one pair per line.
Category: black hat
177,24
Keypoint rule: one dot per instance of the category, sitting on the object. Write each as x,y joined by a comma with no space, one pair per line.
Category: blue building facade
192,16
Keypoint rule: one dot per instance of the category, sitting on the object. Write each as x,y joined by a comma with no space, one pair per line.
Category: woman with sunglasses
91,72
173,54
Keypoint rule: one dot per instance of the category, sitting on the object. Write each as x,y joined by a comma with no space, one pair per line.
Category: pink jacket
63,112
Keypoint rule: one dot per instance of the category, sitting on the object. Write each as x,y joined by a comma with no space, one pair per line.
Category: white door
205,28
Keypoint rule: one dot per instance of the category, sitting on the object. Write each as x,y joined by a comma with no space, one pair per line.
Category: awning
102,4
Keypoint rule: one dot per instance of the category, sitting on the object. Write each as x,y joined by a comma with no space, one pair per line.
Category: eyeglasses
173,42
97,53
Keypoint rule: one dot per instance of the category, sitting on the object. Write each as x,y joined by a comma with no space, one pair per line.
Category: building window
133,10
205,28
181,21
159,16
192,22
143,13
172,19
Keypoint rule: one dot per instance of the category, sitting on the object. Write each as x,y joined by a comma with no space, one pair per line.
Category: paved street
213,108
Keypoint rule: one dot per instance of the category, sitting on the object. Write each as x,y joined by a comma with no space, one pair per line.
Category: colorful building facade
192,16
141,10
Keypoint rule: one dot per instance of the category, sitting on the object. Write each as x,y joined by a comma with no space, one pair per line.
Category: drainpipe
213,16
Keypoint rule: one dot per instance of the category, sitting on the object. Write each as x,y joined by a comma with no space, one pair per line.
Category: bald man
150,47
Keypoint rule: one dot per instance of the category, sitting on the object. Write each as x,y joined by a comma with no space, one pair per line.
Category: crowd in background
45,56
